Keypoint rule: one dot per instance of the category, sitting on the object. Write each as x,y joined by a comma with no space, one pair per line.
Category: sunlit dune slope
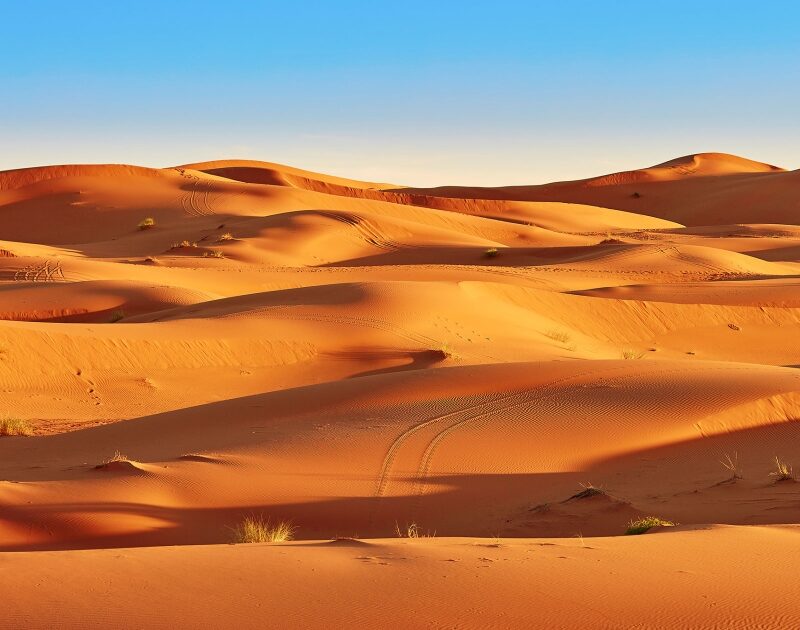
691,579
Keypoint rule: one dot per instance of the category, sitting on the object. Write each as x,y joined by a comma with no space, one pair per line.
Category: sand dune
690,579
702,189
255,172
519,371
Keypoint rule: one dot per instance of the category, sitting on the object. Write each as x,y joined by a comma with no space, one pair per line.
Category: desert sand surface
458,398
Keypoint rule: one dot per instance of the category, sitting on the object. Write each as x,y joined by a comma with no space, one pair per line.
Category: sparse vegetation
610,240
445,351
257,529
492,252
412,530
558,335
116,457
225,237
151,259
588,491
731,464
783,471
213,253
641,525
15,426
116,316
146,224
630,353
184,243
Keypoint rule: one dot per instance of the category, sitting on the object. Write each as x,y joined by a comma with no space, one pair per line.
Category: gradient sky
408,92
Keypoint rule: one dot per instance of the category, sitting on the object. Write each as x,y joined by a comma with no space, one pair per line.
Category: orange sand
358,357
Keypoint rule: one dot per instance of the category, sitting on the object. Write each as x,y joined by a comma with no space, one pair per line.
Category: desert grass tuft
15,426
116,457
213,253
630,353
146,224
225,237
588,491
640,526
257,529
116,316
558,335
610,240
492,252
783,471
412,530
731,464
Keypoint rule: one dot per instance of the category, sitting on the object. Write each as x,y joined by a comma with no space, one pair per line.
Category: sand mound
22,177
695,190
255,172
715,164
695,165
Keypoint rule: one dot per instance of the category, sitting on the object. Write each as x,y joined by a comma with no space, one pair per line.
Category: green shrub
640,526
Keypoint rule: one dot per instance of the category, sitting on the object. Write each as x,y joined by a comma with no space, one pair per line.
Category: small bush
640,526
783,471
184,243
557,335
412,530
225,237
256,529
588,491
492,252
629,353
15,426
146,224
213,253
445,351
116,316
117,457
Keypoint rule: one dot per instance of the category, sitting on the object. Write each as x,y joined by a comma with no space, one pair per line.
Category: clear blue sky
410,92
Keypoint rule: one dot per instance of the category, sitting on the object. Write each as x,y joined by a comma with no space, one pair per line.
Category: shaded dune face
193,345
